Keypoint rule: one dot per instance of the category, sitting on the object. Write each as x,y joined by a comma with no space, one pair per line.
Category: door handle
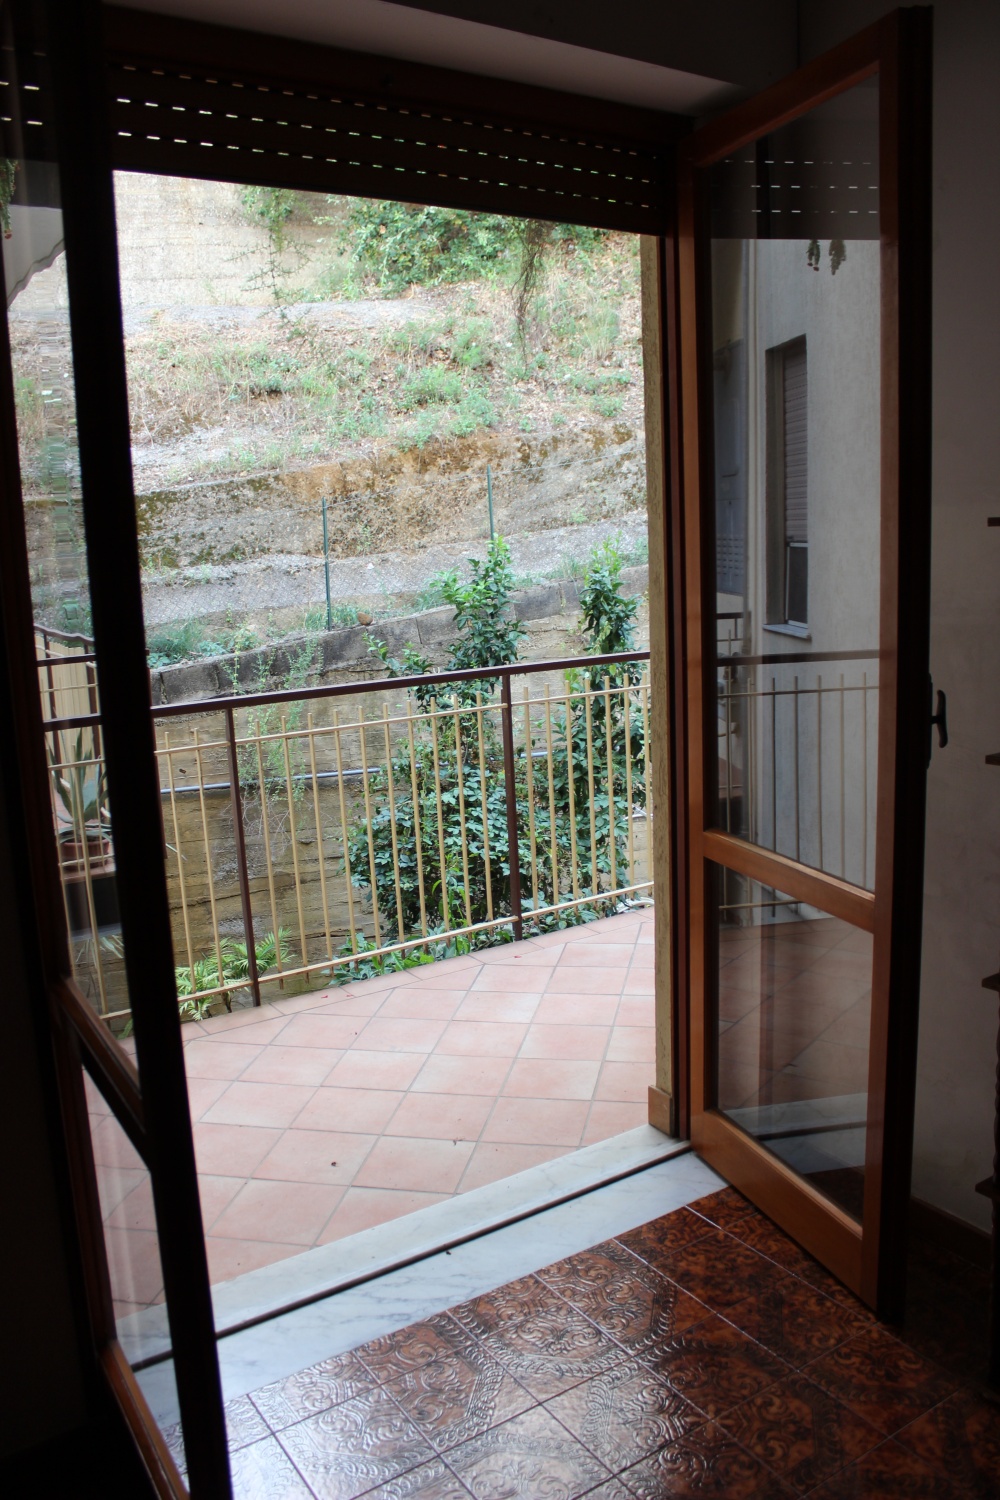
939,717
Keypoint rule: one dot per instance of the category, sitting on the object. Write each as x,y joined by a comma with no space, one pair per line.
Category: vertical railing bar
553,840
362,729
843,789
460,771
290,793
265,829
180,857
510,795
485,806
727,703
88,880
574,866
529,764
589,720
442,860
645,684
417,831
390,784
864,780
345,840
327,935
609,751
236,802
626,701
774,763
819,763
199,764
795,779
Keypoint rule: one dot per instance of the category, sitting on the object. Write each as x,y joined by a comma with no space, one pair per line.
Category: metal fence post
510,792
236,799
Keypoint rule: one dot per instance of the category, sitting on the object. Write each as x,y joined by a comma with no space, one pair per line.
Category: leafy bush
403,244
453,781
205,973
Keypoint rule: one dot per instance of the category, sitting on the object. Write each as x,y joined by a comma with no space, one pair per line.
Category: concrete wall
961,935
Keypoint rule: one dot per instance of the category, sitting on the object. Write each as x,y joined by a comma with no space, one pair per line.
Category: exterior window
788,487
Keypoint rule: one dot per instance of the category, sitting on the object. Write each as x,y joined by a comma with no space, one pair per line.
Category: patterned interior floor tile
801,1433
792,1319
353,1447
624,1296
881,1379
625,1415
961,1438
455,1399
532,1456
889,1473
311,1390
707,1462
716,1367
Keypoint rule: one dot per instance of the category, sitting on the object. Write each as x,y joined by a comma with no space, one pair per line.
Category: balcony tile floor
702,1354
321,1115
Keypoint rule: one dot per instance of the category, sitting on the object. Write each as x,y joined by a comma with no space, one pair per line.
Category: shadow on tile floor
702,1354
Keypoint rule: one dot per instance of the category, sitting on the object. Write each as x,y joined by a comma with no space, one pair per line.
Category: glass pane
42,369
795,352
133,1250
793,1031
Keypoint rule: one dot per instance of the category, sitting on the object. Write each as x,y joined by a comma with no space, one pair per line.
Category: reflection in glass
794,1012
133,1251
42,369
795,330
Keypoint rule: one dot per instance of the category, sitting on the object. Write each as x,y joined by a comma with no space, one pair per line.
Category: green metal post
326,567
489,497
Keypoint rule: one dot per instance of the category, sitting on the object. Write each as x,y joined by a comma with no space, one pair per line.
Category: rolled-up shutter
796,443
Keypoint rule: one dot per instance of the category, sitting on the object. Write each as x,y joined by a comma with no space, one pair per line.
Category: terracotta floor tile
421,1003
539,1122
569,1043
360,1208
236,1020
481,1039
353,1000
589,980
440,1116
280,1064
275,1104
330,1031
608,1118
366,1111
230,1257
625,1082
487,1005
635,1010
548,1079
135,1211
232,1150
114,1184
202,1094
327,1157
514,979
376,1070
425,1166
459,1075
216,1194
399,1034
210,1057
134,1264
577,1010
492,1161
615,956
293,1212
447,978
638,983
632,1044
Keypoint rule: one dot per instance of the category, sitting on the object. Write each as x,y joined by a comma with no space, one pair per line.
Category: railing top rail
369,685
49,632
795,658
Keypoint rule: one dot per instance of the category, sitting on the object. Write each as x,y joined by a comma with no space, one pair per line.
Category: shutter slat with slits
796,444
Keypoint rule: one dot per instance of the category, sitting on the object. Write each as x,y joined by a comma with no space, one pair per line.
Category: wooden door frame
897,50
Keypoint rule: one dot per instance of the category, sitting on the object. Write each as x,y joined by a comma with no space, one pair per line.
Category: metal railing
314,832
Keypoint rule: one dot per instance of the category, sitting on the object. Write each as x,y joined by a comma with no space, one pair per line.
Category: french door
801,353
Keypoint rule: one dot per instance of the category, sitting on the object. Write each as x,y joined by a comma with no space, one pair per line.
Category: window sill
801,632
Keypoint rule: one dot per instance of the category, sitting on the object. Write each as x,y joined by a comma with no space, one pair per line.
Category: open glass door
800,278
